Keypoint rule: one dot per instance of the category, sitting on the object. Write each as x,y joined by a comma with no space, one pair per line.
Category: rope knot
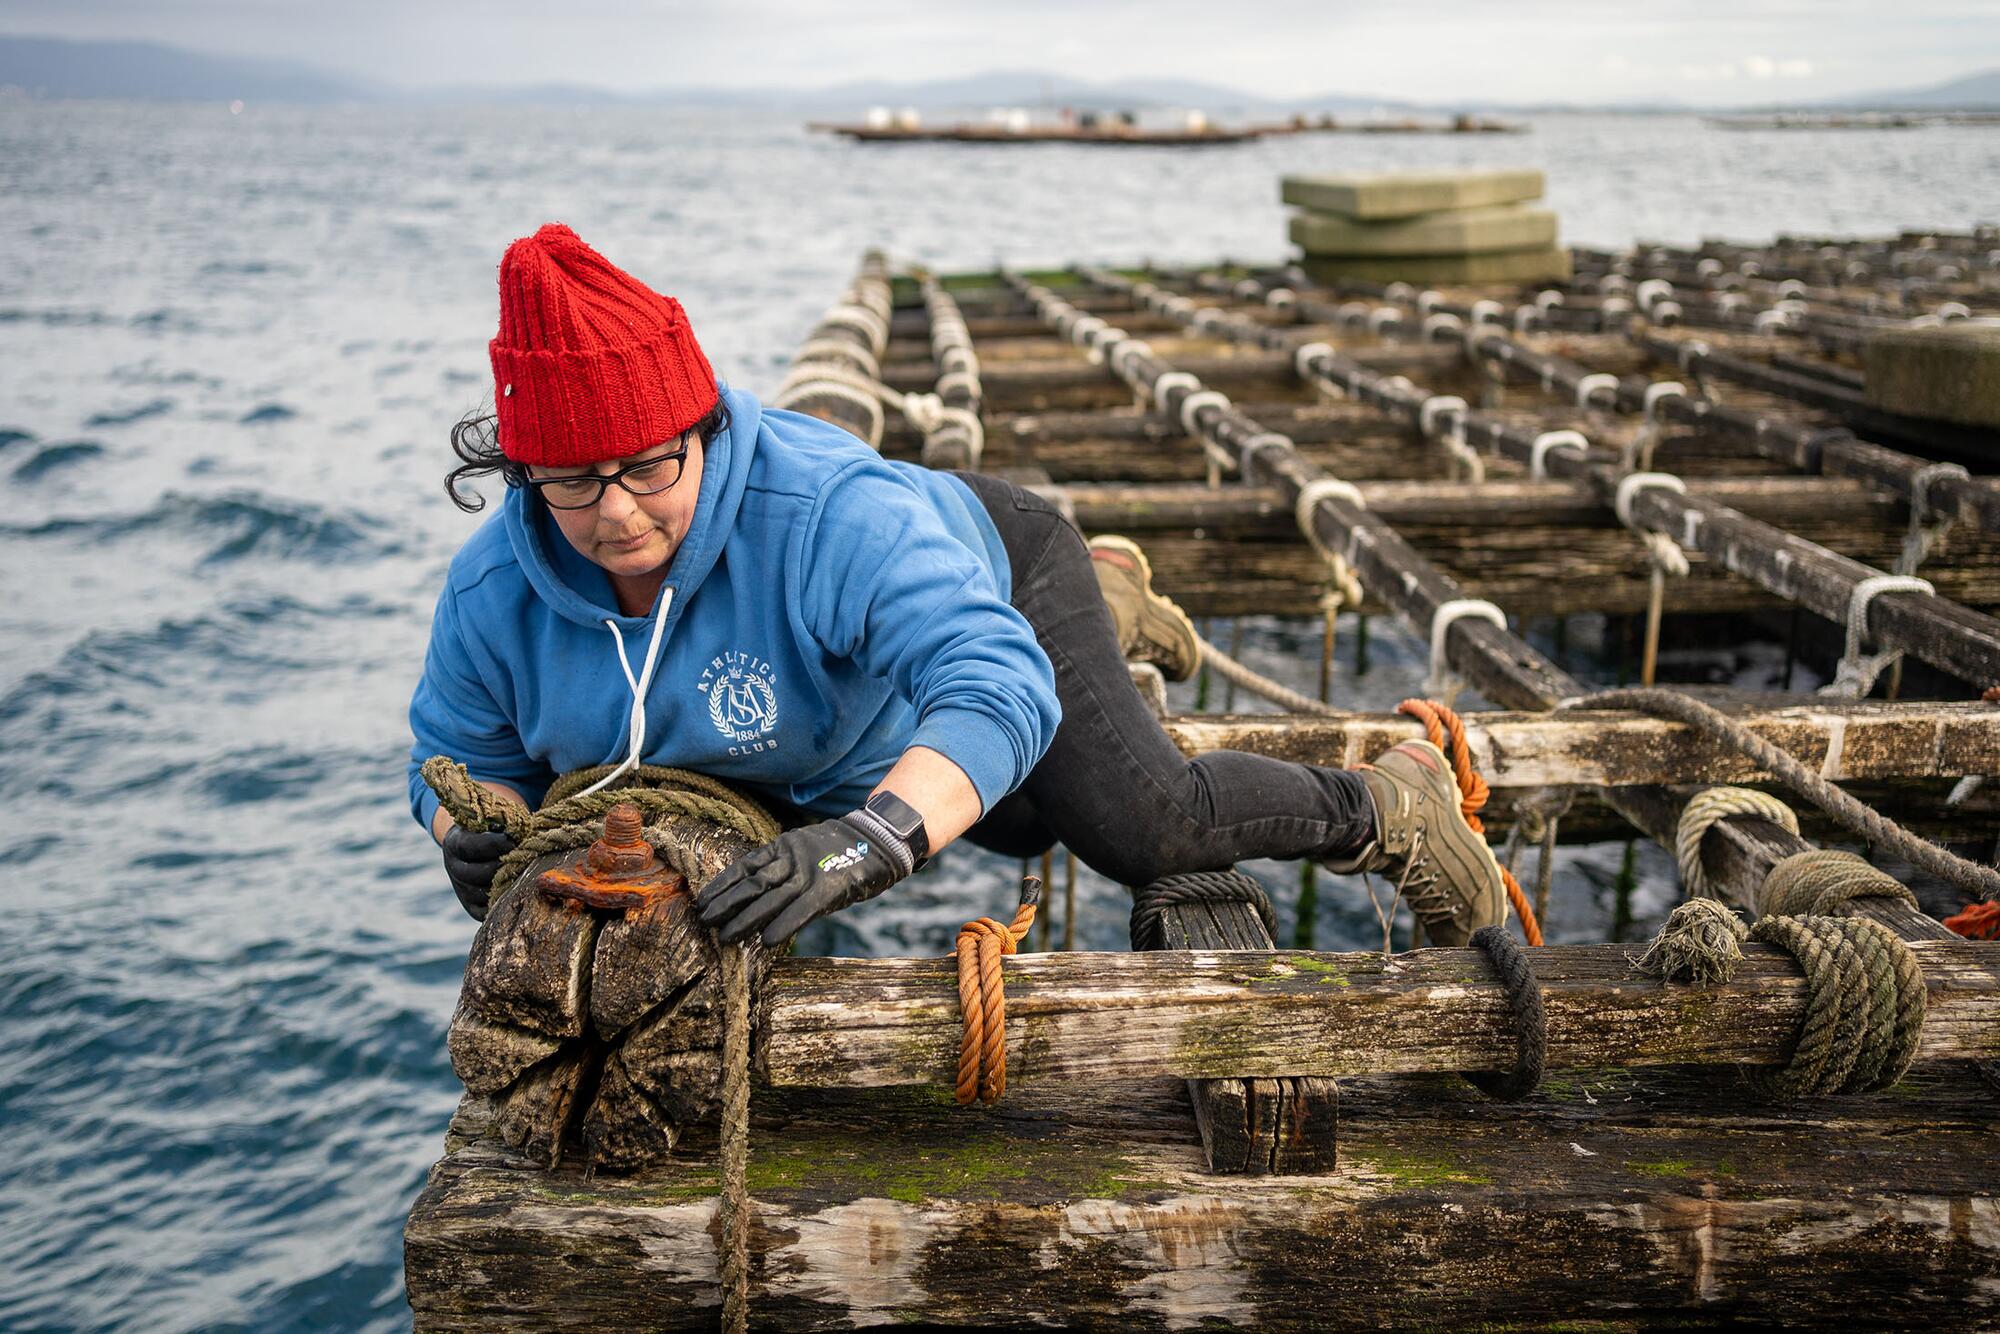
982,998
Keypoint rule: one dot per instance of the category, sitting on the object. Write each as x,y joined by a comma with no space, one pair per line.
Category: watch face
901,817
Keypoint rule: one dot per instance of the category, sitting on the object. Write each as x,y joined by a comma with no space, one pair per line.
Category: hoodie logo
741,702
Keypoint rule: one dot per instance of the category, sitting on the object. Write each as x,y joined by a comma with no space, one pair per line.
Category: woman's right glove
471,859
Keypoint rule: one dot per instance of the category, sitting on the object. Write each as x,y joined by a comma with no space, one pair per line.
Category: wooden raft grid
1638,1185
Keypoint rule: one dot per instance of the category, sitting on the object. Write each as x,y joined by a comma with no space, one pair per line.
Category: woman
679,576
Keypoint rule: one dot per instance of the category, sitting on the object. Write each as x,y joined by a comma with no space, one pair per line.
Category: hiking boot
1150,628
1424,844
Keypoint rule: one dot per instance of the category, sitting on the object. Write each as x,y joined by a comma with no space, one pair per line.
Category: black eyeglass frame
678,458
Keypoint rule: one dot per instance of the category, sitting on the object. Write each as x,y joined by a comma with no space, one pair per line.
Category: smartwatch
903,821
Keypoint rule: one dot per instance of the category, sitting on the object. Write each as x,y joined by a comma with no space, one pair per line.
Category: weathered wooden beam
1814,448
1614,1198
1839,740
1250,1014
1253,1126
1119,506
1021,382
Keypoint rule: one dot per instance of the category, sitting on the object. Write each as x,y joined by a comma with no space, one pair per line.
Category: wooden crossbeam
1840,740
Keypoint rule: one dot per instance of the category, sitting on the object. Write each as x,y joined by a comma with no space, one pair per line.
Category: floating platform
1116,133
1680,443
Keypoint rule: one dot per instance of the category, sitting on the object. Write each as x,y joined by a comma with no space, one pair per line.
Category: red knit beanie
591,364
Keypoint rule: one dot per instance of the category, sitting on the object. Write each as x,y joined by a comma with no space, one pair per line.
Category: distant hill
148,71
1971,92
993,88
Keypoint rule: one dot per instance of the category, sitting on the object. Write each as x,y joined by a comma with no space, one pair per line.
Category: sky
1696,51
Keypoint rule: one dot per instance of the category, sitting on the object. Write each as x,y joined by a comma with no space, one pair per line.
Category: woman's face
632,535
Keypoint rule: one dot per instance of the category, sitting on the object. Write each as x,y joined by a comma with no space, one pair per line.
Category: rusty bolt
619,870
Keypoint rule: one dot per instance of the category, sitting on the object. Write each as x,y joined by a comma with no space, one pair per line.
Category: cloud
1749,67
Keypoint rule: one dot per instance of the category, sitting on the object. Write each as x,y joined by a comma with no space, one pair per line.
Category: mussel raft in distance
1697,445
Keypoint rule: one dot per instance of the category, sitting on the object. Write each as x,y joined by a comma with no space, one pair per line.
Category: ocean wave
232,525
53,457
118,670
151,409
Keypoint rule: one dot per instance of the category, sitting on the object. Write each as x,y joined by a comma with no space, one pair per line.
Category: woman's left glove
804,874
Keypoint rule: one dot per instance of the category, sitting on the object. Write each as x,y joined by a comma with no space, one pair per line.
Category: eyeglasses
580,491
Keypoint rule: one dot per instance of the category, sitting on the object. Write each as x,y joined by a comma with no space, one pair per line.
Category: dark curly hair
476,441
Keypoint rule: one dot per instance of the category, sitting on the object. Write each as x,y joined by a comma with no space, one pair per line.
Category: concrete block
1372,197
1462,231
1948,372
1543,265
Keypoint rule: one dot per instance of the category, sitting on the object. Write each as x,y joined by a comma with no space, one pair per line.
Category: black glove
804,874
471,859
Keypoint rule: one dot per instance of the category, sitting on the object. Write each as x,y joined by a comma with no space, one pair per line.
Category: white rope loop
1428,410
1101,339
1318,489
1281,298
1538,452
1588,385
1170,381
823,387
1442,321
1195,402
1854,675
1439,683
1657,391
1123,355
1306,354
863,321
830,349
1926,529
1630,485
1310,495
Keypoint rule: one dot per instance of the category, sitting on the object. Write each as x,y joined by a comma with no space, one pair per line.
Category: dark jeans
1113,788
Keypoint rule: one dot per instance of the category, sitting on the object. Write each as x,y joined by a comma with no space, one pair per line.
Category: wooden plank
1252,1014
1121,506
1841,740
1617,1199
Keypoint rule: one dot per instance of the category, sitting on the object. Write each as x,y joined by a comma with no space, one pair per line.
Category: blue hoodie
826,611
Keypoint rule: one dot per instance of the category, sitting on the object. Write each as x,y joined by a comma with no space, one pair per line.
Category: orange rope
982,1053
1446,731
1977,921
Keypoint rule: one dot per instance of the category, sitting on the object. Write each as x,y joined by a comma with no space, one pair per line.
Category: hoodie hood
579,590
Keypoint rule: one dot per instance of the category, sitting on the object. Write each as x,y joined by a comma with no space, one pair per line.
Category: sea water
231,346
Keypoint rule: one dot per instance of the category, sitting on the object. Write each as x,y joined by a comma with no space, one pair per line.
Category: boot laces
1418,885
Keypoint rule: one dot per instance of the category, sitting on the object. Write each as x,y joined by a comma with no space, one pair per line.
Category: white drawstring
636,731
